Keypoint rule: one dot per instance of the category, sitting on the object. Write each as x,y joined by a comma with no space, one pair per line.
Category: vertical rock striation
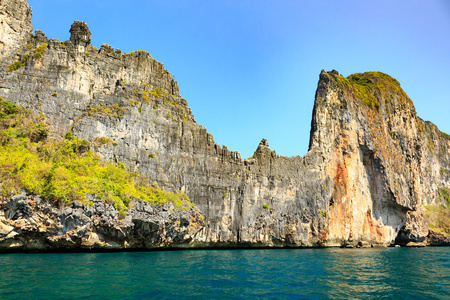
15,25
378,154
371,168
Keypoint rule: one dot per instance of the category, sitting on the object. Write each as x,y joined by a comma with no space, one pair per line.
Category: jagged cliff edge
371,168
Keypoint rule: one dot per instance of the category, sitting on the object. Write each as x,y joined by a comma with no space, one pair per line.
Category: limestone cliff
384,162
371,167
15,25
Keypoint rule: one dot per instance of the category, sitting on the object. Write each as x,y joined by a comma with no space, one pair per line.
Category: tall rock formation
385,163
371,167
80,34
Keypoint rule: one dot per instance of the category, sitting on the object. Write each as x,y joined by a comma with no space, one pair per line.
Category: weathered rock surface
437,239
385,163
364,181
28,222
15,25
80,34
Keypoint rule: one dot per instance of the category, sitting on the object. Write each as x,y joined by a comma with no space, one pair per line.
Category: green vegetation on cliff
438,215
368,86
65,171
18,64
37,53
364,85
104,110
40,50
444,194
376,81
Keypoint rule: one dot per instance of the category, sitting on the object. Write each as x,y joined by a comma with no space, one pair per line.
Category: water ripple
230,274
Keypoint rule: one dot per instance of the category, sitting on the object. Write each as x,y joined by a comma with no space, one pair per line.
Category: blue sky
249,69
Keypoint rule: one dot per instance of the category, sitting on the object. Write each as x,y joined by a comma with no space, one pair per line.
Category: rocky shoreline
30,224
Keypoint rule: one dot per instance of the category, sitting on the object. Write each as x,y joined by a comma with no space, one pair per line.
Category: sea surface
389,273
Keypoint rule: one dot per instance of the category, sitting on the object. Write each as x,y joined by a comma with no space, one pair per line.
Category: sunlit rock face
371,167
378,157
15,25
80,34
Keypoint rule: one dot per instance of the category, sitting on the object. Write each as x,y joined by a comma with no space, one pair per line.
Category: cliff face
15,25
385,163
371,167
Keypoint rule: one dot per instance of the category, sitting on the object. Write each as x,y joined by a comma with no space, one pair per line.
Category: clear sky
249,68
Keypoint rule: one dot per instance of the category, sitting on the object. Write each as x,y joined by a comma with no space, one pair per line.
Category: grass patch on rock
438,215
369,85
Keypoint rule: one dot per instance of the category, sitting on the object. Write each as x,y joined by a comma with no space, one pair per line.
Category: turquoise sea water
230,274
